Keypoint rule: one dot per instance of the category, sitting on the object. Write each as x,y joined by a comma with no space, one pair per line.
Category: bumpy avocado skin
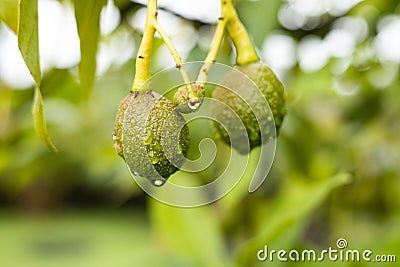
181,97
273,91
118,125
152,135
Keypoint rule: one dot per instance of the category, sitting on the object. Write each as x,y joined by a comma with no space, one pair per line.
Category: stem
212,53
177,58
144,54
244,48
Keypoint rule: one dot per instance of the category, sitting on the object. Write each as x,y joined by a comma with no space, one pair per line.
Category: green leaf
28,42
39,119
9,13
87,14
192,234
295,203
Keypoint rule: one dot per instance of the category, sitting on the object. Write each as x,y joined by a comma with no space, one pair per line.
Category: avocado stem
229,20
143,57
244,48
177,58
212,53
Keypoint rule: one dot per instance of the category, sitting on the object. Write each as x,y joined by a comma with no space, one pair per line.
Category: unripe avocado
273,91
150,135
182,100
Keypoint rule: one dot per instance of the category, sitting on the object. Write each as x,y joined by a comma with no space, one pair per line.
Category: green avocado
257,131
150,135
183,101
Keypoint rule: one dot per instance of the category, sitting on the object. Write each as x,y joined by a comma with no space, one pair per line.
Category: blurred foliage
336,172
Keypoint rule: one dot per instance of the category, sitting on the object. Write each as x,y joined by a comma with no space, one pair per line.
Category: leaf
9,13
28,42
291,207
39,119
192,234
87,14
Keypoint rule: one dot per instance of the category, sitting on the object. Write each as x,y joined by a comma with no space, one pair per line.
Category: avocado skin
181,97
152,134
258,132
118,125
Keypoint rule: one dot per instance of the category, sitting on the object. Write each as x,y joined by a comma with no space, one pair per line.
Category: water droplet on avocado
154,160
147,138
159,182
194,103
151,153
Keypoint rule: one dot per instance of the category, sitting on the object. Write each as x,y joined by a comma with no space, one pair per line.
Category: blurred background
336,173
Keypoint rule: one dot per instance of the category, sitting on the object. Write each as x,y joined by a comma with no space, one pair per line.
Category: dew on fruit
139,140
154,160
147,138
127,151
194,103
158,182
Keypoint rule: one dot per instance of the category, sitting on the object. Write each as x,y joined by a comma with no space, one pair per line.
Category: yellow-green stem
177,58
229,19
244,48
212,53
144,54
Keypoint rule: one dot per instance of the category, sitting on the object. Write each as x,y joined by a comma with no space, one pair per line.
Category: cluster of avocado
151,130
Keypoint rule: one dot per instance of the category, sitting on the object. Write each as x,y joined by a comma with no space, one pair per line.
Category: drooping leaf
28,42
9,13
87,14
39,119
292,206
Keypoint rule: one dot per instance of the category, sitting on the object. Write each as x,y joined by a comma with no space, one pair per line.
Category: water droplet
135,173
147,139
127,151
154,160
114,137
159,182
151,153
194,103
